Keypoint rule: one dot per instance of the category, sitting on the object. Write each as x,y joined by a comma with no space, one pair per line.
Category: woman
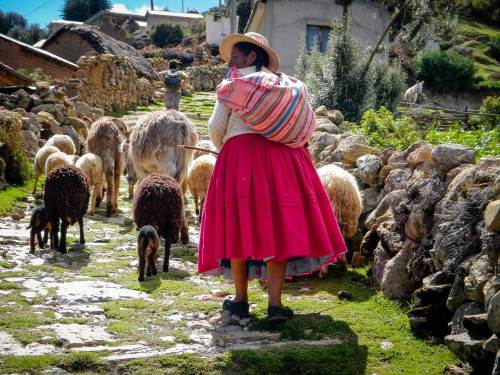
266,213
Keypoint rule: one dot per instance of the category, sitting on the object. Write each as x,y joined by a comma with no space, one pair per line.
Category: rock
449,156
50,108
97,113
488,169
321,111
318,142
389,201
395,281
420,155
430,295
490,288
494,314
457,297
30,142
470,350
477,325
457,370
390,238
327,128
71,132
469,308
17,213
450,176
386,153
397,180
358,259
79,125
336,117
77,335
439,278
371,197
380,259
368,169
429,320
49,125
384,172
25,103
492,216
492,344
350,153
369,243
78,292
479,272
328,156
83,109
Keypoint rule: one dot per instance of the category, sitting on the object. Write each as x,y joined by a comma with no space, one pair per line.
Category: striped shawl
276,107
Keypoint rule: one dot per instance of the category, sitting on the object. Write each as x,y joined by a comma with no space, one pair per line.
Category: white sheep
63,142
91,165
205,144
199,174
39,164
59,158
411,95
344,195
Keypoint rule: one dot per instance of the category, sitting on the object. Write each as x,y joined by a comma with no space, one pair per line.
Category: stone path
90,299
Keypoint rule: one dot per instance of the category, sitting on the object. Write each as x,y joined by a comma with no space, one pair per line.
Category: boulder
488,169
449,156
380,259
420,155
371,198
492,216
457,322
494,313
336,117
318,142
390,238
396,281
349,153
389,201
477,325
471,350
457,297
321,111
479,271
369,167
97,113
397,180
83,109
430,295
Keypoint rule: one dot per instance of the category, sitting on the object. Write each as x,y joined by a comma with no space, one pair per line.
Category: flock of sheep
150,156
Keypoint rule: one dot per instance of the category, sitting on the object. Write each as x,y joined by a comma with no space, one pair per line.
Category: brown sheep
104,140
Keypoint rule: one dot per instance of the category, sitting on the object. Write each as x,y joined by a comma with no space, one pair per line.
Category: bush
388,85
18,166
490,104
484,142
445,70
166,34
382,130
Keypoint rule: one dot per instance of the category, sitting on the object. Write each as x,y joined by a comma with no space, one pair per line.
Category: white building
217,27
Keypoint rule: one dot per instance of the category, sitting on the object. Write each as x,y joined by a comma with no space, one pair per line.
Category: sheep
154,141
63,142
167,217
38,223
345,197
129,167
411,95
199,174
66,198
148,249
104,140
39,164
205,144
91,165
59,158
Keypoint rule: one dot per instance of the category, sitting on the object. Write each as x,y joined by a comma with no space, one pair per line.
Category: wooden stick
198,148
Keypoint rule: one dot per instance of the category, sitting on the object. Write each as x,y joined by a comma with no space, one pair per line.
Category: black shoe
241,309
276,314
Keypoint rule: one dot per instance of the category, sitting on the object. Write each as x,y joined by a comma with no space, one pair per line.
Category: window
319,35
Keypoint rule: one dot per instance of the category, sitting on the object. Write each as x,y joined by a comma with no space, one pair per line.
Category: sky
44,11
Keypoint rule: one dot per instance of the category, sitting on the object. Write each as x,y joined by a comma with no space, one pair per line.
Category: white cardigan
224,122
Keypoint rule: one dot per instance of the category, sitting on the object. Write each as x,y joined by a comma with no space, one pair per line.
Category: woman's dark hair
262,56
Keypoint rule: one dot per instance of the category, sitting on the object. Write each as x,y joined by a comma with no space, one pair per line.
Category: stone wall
431,228
109,82
206,77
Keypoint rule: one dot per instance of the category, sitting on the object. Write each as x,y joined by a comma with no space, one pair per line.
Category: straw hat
259,40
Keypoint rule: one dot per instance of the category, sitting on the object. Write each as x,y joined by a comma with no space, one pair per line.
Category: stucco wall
285,20
217,29
69,46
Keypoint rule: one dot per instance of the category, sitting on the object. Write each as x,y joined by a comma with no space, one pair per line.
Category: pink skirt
266,202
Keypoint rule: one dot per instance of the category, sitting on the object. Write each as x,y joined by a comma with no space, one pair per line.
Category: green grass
477,36
14,194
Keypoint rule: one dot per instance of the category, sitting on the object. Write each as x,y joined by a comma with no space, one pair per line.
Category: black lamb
66,198
158,202
38,223
148,249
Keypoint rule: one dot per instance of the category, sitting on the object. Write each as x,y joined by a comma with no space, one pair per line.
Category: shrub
165,34
484,142
490,104
494,50
383,130
388,85
18,166
445,70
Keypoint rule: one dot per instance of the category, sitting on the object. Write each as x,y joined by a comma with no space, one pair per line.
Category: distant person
173,81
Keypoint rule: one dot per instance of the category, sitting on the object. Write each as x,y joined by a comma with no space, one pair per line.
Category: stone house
55,25
18,55
284,22
73,41
155,17
217,27
119,25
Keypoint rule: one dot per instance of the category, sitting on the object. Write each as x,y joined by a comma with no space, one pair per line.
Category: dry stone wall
206,77
109,82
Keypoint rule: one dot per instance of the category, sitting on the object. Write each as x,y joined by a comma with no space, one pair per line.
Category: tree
30,35
10,20
243,11
165,34
81,10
